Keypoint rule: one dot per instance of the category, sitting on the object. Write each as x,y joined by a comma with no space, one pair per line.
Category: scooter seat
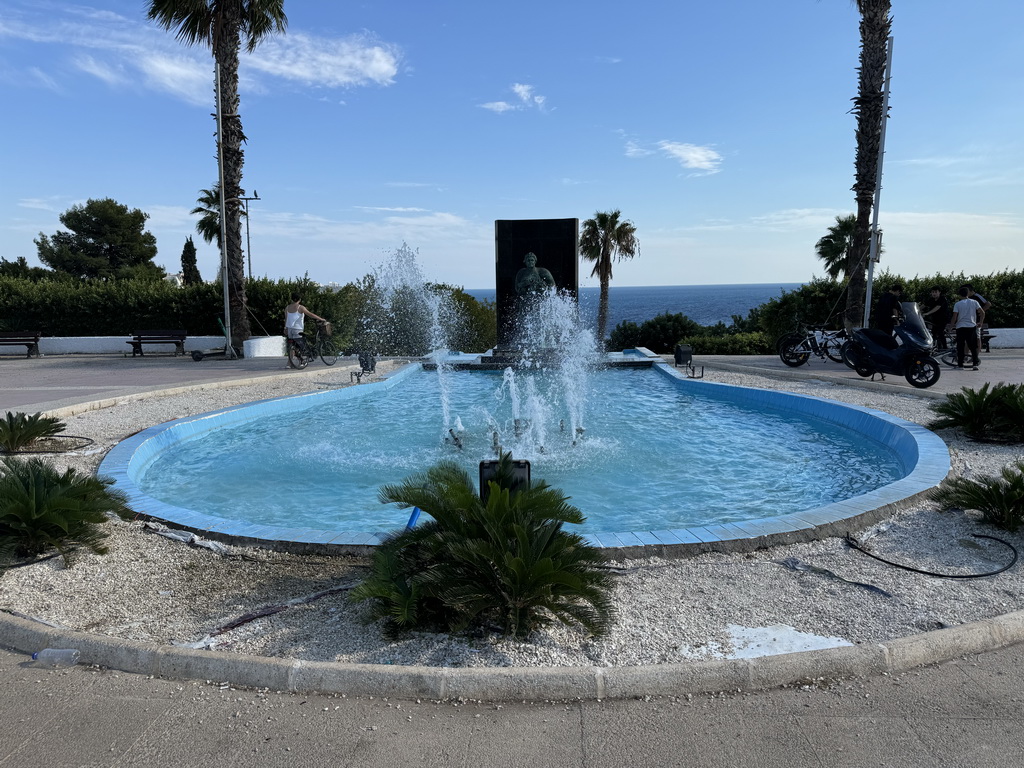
881,338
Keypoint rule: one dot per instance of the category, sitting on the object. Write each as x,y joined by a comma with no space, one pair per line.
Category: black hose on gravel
852,542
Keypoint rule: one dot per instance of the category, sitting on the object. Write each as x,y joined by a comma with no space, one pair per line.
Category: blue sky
720,129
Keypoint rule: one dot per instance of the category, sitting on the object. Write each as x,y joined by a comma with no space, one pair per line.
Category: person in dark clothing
888,309
938,315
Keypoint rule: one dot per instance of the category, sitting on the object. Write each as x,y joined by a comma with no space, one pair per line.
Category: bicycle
795,349
303,351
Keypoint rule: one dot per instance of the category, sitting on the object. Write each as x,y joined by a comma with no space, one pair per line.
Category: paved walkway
62,381
966,712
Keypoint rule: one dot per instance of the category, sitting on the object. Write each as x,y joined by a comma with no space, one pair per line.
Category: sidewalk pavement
61,381
966,712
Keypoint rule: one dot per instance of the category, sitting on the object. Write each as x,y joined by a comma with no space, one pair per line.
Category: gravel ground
152,588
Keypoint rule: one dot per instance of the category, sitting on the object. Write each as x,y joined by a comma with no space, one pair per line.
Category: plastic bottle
56,657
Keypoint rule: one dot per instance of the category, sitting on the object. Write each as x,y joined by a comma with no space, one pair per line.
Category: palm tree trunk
602,310
226,48
875,25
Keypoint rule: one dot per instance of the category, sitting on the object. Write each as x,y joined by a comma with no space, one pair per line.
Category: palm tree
834,248
208,209
605,239
221,24
875,26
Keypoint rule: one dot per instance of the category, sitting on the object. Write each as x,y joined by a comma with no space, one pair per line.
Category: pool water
653,455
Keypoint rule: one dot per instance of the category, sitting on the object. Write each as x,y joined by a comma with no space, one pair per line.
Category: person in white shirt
967,319
295,318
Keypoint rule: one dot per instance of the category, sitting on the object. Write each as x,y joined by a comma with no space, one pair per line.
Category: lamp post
248,246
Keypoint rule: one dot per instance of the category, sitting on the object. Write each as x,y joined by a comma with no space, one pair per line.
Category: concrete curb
519,683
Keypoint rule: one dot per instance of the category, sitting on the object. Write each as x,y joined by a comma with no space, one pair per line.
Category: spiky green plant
18,430
993,413
507,563
999,499
42,509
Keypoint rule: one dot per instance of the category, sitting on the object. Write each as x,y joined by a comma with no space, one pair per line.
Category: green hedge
823,301
756,343
117,308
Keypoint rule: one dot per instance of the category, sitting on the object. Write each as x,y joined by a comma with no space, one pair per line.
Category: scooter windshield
913,323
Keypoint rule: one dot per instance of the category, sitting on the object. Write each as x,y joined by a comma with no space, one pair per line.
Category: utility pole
248,245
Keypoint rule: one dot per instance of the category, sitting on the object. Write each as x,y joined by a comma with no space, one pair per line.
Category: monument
532,256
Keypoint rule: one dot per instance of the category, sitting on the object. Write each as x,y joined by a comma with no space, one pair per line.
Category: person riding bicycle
295,320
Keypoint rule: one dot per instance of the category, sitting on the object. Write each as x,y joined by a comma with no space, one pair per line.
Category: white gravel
152,588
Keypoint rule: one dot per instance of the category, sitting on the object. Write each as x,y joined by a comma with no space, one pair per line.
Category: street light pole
248,245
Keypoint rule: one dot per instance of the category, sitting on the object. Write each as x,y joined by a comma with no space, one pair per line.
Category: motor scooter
871,351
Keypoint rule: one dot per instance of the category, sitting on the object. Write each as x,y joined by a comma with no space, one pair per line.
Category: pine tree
189,271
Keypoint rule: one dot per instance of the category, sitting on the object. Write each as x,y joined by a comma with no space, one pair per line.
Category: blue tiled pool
897,460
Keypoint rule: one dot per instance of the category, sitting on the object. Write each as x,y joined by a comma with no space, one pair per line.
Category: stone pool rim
924,455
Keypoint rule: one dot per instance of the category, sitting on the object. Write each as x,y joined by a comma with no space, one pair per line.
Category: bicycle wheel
833,346
949,358
296,359
327,348
793,351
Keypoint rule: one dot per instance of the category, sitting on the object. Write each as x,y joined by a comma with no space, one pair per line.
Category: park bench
986,336
14,338
177,338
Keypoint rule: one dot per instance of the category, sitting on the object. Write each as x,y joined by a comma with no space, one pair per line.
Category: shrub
507,562
18,430
999,499
734,344
660,334
995,414
41,509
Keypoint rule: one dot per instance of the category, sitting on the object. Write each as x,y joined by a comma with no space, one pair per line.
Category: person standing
938,315
967,319
888,309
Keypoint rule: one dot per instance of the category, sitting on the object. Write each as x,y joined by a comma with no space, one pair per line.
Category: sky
721,130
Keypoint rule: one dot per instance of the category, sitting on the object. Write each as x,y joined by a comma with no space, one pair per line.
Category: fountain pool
663,460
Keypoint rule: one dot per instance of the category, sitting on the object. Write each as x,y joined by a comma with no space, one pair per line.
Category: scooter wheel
922,372
849,354
863,370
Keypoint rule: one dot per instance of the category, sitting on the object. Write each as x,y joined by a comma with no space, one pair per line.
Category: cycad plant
42,510
507,563
18,430
987,414
999,499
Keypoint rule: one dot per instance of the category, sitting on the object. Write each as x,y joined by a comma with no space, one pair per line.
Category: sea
704,304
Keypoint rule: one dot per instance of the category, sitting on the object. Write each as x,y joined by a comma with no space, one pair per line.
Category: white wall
267,346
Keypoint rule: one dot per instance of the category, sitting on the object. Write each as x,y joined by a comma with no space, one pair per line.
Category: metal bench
177,338
14,338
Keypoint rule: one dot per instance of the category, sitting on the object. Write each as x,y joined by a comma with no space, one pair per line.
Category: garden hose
852,542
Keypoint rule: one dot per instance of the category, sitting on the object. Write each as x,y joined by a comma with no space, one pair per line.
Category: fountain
624,464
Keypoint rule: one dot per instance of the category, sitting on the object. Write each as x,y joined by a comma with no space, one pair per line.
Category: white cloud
692,156
122,51
527,100
499,106
335,63
101,70
635,150
180,75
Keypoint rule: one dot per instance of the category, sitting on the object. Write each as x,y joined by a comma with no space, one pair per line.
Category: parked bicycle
303,351
795,349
